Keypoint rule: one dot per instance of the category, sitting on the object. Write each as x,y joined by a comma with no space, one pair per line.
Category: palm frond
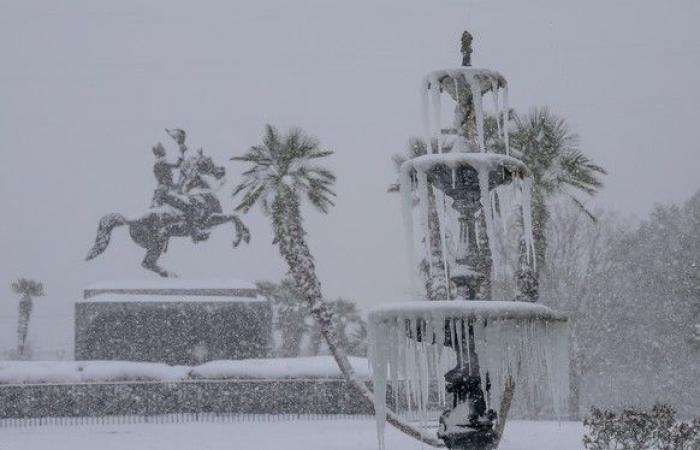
546,144
282,162
26,286
582,207
250,198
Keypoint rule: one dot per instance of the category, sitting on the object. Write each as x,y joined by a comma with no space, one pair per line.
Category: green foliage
291,313
632,293
350,326
636,429
294,322
28,287
546,144
281,164
416,147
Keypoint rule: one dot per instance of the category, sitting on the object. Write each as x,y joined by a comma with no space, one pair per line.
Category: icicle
459,348
439,332
437,110
526,191
425,88
394,355
477,104
457,98
406,191
442,220
423,372
425,221
497,110
378,356
506,114
486,210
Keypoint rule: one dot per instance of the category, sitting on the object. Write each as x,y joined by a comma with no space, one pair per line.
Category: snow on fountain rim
469,74
461,309
479,161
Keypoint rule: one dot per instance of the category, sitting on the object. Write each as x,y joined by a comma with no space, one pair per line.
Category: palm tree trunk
290,238
540,220
508,394
315,340
25,311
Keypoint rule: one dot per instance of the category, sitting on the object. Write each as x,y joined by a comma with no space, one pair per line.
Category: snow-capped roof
172,290
57,372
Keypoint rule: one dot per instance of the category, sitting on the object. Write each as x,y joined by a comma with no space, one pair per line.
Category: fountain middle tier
492,185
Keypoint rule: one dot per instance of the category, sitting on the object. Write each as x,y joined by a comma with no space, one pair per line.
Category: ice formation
524,342
477,82
412,346
512,198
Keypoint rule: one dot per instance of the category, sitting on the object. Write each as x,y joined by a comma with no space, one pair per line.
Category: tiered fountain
492,346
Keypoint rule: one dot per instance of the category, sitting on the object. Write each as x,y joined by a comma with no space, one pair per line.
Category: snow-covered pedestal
172,321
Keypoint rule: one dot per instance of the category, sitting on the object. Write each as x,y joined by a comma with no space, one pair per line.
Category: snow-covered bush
637,429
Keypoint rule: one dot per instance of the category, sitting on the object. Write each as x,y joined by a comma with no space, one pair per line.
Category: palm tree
348,324
282,171
546,144
28,289
291,312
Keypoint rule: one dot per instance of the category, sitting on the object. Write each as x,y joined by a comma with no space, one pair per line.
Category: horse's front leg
242,231
150,261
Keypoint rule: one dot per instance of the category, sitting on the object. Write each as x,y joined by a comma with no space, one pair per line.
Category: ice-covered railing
461,83
504,184
524,342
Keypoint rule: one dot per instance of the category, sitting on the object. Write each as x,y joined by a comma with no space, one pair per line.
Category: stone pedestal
172,321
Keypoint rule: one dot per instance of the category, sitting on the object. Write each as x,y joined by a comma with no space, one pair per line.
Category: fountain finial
466,49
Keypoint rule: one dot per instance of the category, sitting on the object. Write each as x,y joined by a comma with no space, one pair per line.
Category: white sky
86,89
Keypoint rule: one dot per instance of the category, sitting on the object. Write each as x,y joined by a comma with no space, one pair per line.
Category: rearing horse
153,229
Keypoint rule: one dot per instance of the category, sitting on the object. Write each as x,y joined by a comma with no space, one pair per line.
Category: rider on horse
164,193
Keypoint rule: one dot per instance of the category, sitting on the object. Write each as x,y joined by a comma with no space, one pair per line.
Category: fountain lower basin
414,344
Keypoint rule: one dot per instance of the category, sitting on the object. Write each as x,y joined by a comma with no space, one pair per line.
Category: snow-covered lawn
343,434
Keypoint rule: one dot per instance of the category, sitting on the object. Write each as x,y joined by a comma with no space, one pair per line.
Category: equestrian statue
182,206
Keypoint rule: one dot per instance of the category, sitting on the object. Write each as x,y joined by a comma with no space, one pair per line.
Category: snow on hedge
308,367
58,372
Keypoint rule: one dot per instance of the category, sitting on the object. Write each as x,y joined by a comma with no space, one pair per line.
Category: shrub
637,429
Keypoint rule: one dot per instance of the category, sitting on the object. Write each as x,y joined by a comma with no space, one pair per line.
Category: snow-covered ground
342,434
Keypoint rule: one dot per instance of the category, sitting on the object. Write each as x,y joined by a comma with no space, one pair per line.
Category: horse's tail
104,232
242,232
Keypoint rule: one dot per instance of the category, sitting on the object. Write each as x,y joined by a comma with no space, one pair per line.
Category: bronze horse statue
153,229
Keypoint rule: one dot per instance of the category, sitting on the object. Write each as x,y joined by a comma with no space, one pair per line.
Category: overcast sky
86,88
